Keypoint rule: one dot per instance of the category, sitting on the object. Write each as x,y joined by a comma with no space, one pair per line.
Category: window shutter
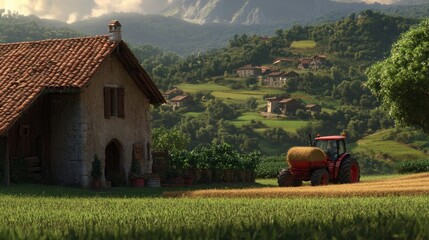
121,102
107,103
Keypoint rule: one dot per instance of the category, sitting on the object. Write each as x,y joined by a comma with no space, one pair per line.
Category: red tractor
325,161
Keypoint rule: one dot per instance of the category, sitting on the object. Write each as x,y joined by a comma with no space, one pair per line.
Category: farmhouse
318,61
313,108
180,101
64,102
283,61
304,63
249,71
172,93
272,104
279,79
289,106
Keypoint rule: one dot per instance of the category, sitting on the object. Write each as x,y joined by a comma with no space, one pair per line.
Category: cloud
63,10
72,10
381,1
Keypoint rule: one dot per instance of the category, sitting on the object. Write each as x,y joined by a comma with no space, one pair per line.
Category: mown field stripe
414,185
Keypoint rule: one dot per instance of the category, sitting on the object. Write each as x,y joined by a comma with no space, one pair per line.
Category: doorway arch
113,170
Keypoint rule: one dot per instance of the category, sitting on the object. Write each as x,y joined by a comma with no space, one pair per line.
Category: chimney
115,31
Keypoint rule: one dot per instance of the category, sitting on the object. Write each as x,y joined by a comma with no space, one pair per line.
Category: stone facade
134,128
79,129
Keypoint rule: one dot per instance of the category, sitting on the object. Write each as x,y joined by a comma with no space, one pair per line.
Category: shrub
270,167
416,166
372,165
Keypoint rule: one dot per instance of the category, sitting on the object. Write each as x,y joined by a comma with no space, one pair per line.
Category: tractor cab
333,146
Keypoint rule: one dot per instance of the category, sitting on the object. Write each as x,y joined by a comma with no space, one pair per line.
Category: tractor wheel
286,179
320,177
349,171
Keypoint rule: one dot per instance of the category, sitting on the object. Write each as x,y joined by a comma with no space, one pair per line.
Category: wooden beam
6,163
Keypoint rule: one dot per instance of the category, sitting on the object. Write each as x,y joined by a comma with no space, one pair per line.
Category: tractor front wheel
349,171
320,177
286,179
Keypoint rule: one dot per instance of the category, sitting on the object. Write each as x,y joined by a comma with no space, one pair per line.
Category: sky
73,10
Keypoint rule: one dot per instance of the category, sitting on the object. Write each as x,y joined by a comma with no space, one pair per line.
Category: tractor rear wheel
286,179
320,177
349,171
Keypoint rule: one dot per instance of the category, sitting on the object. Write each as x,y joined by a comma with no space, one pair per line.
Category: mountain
169,33
251,12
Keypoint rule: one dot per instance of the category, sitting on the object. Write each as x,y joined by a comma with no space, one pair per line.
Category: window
114,102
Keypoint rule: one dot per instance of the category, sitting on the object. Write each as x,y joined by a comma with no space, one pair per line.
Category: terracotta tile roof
174,90
249,67
179,98
272,99
275,74
29,68
288,100
290,74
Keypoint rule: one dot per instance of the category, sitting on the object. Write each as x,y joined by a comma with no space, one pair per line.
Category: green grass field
48,212
287,125
204,87
303,44
227,94
396,150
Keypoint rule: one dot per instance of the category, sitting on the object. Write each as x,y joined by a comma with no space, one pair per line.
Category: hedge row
416,166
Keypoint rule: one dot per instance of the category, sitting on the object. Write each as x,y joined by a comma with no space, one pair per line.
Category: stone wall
68,133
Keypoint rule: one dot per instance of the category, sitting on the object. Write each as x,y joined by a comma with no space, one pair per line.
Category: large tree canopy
401,82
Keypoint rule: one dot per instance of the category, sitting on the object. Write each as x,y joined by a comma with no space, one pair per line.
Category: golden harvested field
409,185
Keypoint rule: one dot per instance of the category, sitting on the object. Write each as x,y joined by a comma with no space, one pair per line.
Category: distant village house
249,71
288,106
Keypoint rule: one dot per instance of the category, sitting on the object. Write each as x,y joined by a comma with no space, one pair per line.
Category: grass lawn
303,44
226,93
396,150
204,87
193,114
287,125
52,212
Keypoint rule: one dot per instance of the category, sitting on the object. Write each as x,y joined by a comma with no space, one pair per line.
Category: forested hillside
17,28
225,107
186,38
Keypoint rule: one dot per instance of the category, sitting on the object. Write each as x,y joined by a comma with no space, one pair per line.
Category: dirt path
409,185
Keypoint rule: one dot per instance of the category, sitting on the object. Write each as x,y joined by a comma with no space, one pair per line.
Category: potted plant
136,176
96,172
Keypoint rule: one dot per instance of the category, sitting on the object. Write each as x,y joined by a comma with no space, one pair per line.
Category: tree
401,82
169,139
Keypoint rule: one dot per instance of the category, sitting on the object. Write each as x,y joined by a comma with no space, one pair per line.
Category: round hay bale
305,154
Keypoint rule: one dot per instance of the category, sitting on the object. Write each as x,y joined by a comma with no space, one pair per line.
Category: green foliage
19,28
96,168
269,167
367,36
401,81
169,139
372,165
416,166
214,156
